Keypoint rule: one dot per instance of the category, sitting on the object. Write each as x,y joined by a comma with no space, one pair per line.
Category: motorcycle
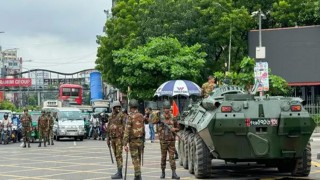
95,131
5,135
33,135
15,134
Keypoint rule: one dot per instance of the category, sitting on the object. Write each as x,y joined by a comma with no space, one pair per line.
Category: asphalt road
90,160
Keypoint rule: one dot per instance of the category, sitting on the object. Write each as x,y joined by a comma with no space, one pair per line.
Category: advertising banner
261,76
15,82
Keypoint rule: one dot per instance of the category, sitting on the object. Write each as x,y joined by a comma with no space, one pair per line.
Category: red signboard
15,82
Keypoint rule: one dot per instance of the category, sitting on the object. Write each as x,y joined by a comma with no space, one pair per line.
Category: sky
58,35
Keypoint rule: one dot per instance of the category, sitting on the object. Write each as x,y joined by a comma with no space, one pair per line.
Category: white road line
74,143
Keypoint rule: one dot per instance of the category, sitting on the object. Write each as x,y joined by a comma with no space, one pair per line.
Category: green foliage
288,13
7,105
160,60
203,22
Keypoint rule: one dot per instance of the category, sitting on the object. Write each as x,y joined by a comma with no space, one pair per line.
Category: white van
68,123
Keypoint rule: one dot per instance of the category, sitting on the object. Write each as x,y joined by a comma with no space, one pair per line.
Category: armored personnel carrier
234,126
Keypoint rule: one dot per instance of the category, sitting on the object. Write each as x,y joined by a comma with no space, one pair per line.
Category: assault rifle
168,126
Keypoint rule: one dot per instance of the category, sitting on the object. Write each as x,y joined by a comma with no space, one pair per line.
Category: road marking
74,143
21,144
314,163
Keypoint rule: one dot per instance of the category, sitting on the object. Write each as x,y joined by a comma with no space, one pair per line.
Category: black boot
118,175
174,175
49,142
137,177
39,144
52,142
163,174
176,156
44,144
24,145
29,144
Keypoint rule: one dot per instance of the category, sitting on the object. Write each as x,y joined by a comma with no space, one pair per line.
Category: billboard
15,82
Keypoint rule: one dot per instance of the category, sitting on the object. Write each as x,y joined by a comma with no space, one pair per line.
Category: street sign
15,82
261,76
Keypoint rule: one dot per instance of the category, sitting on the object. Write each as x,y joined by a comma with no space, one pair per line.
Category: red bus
72,93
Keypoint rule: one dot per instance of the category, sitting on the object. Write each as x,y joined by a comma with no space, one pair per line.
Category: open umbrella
178,87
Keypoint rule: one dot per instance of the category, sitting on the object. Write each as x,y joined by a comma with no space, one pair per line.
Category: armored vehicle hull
238,127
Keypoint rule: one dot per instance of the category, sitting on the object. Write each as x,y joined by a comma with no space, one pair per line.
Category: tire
303,164
185,150
75,138
202,158
58,138
81,138
191,153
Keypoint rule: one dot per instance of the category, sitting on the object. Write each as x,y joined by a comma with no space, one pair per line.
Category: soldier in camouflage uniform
115,130
50,131
134,135
43,126
167,127
26,121
208,87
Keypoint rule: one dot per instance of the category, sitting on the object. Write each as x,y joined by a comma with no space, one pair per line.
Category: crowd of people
21,128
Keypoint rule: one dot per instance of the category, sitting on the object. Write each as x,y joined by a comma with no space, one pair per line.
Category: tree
121,29
245,78
288,13
203,22
7,105
162,59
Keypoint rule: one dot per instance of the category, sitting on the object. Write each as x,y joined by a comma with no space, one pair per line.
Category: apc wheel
202,158
186,150
81,138
58,138
180,148
303,164
191,153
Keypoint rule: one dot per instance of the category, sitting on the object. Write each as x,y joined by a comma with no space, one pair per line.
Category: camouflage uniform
207,88
50,130
167,140
26,121
43,126
115,130
134,135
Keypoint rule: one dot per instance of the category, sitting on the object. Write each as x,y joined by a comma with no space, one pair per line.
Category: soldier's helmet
133,103
115,104
166,105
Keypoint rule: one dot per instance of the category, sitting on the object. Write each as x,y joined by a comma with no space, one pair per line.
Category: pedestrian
134,136
208,87
147,117
43,126
50,130
167,127
26,121
115,131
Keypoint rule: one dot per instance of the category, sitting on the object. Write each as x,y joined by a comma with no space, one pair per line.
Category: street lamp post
230,36
260,50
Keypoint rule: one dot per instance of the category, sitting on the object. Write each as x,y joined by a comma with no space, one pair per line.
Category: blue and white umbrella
178,87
